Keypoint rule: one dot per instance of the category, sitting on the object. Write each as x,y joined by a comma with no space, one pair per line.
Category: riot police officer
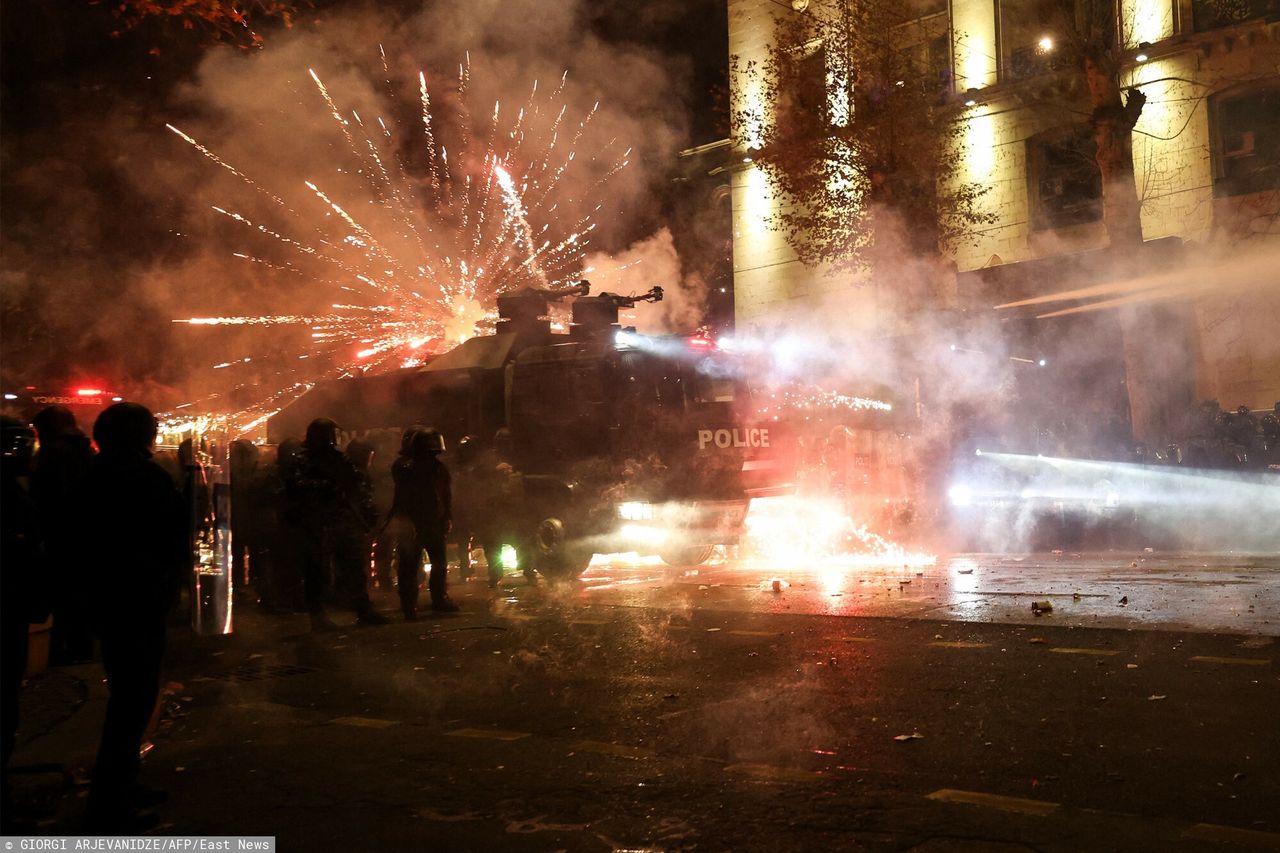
321,494
424,495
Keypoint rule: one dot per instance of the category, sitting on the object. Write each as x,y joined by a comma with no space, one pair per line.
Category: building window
1247,141
1036,35
1210,14
811,91
1064,184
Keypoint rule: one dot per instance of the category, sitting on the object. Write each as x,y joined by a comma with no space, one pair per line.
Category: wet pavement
653,709
1184,592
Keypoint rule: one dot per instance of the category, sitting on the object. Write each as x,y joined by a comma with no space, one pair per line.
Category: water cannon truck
624,442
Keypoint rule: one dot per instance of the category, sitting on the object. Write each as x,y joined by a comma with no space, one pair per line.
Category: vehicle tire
687,556
557,558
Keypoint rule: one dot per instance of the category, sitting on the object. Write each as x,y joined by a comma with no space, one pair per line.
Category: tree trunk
1158,358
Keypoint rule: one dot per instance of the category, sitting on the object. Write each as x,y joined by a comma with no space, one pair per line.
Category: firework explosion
795,399
458,226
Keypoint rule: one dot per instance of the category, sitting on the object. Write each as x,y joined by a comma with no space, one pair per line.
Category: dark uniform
319,497
57,475
135,518
424,496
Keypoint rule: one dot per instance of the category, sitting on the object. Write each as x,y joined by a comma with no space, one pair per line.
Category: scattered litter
1134,564
702,587
1131,666
904,581
1038,607
1037,641
912,736
712,630
1057,552
1154,697
179,769
937,636
1075,596
965,571
1124,601
1239,777
777,585
919,574
1148,550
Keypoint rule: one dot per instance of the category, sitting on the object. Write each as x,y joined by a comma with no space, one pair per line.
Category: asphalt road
918,708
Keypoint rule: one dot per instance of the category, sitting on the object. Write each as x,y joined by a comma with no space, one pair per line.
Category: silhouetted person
136,520
20,583
353,538
320,495
281,573
424,496
57,475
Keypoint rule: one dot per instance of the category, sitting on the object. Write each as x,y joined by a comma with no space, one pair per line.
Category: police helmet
360,452
406,438
322,434
428,441
467,447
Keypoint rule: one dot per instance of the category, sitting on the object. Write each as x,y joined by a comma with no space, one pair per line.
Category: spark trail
416,257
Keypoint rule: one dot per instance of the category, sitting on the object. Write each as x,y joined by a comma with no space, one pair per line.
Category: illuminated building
1206,152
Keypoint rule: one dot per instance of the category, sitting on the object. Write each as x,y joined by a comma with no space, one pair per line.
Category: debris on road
1036,641
912,736
1155,697
1038,607
1124,601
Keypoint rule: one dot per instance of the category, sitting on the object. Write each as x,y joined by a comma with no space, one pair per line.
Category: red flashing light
90,392
702,343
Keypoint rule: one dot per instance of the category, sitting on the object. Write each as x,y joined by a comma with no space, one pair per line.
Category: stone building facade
1206,154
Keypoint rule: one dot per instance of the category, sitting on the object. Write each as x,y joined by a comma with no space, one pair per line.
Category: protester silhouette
136,520
57,475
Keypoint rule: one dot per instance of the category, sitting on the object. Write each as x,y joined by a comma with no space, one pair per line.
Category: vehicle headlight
635,511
